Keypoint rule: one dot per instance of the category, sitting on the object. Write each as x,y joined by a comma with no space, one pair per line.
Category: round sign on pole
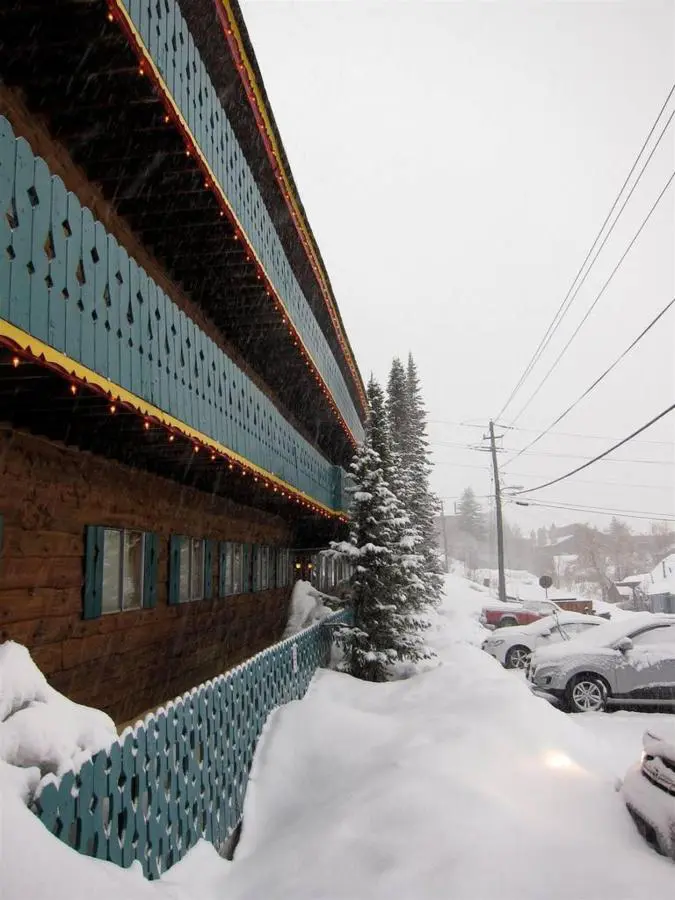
545,581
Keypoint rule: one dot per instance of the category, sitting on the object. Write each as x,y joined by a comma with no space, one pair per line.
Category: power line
649,462
621,484
600,456
599,511
573,434
564,306
597,381
598,296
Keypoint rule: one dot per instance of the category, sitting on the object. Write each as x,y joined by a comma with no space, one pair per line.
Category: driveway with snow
456,783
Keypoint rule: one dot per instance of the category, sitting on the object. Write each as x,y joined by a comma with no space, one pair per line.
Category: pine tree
470,515
423,504
386,629
378,425
397,405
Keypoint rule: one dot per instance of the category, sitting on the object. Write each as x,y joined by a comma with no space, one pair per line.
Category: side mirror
623,645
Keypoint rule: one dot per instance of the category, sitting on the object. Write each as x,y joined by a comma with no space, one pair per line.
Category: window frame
182,550
123,533
93,582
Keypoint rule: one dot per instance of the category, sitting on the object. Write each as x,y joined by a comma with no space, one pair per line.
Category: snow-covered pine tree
410,468
378,426
422,504
387,582
397,410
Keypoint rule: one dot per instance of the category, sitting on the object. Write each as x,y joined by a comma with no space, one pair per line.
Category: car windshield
605,635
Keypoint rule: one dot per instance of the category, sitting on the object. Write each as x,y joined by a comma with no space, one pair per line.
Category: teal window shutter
174,570
208,570
222,569
150,551
93,571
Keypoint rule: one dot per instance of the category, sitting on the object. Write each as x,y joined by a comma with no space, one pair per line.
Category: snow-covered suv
649,789
513,646
627,662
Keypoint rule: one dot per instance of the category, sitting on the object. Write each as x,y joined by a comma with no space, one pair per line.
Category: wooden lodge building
178,397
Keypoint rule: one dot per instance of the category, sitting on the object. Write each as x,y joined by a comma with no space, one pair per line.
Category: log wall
127,662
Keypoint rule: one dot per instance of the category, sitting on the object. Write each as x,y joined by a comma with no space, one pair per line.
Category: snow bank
307,607
455,783
43,734
41,728
431,787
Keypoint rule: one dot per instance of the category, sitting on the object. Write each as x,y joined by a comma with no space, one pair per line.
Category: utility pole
498,509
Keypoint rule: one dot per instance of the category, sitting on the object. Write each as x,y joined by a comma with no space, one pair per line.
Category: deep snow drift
456,783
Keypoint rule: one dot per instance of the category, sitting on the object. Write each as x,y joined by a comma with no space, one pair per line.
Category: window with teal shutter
174,569
223,569
208,569
246,568
150,557
93,571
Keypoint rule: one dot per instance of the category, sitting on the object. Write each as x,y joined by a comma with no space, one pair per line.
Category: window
540,606
572,629
282,567
120,570
225,573
236,568
187,570
663,635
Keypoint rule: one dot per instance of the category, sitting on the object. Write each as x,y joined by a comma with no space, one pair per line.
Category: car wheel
517,657
507,622
587,693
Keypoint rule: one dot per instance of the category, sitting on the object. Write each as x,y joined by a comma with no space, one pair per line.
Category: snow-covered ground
456,783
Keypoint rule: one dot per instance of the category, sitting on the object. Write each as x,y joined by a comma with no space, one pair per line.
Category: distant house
661,590
631,591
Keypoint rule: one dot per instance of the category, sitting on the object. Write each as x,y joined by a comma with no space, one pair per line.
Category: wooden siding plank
19,291
88,295
7,157
58,266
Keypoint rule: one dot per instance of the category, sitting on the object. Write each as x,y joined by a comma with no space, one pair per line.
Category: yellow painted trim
38,349
289,188
169,97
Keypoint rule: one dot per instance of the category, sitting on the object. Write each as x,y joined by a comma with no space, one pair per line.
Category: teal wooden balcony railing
168,43
67,282
182,774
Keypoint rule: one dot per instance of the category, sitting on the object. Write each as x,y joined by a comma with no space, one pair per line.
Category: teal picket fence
169,43
67,282
182,774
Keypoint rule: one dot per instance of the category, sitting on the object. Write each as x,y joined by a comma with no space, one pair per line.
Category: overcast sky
456,160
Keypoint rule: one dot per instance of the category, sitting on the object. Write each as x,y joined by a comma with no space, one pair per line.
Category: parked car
626,662
515,612
649,789
513,646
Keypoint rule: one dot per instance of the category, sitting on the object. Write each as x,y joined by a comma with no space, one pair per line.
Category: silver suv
627,662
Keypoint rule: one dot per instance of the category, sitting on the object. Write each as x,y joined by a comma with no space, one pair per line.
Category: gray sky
456,160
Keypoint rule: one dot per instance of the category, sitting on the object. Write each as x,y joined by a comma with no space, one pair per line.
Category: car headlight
542,676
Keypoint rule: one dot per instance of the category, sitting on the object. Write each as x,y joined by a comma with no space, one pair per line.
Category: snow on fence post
181,775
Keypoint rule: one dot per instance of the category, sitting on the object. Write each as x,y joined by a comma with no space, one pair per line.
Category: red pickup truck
515,612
